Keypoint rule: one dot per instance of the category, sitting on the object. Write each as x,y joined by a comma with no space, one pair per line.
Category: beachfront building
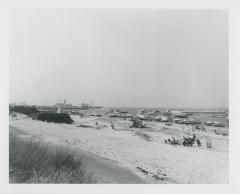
85,106
46,108
64,105
59,107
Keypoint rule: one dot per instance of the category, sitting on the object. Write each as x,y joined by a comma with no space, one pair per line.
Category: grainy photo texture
118,96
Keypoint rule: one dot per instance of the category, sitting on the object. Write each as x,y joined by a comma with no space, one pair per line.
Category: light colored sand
104,170
172,164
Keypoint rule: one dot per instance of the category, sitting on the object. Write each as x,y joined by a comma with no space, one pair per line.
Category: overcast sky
136,58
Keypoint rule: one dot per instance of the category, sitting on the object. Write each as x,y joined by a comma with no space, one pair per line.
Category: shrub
55,117
35,115
24,109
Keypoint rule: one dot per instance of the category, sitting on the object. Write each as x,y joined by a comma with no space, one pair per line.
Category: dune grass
143,136
33,162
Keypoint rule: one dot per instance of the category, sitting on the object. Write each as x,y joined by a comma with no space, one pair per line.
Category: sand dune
153,161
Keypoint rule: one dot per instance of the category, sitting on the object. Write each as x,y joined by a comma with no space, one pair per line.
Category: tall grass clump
32,162
143,136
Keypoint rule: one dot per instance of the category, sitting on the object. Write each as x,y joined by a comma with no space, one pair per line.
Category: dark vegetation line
33,112
32,162
55,117
23,109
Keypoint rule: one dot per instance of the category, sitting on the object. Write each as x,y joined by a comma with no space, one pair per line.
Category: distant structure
46,108
64,107
22,104
59,110
85,106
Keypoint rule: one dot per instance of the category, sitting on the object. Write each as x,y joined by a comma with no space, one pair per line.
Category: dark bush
24,109
35,115
55,117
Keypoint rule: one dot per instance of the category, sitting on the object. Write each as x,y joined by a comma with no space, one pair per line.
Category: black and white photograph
118,96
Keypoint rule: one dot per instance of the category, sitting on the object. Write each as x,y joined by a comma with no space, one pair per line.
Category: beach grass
35,162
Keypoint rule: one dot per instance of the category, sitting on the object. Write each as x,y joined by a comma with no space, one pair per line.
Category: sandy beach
152,160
